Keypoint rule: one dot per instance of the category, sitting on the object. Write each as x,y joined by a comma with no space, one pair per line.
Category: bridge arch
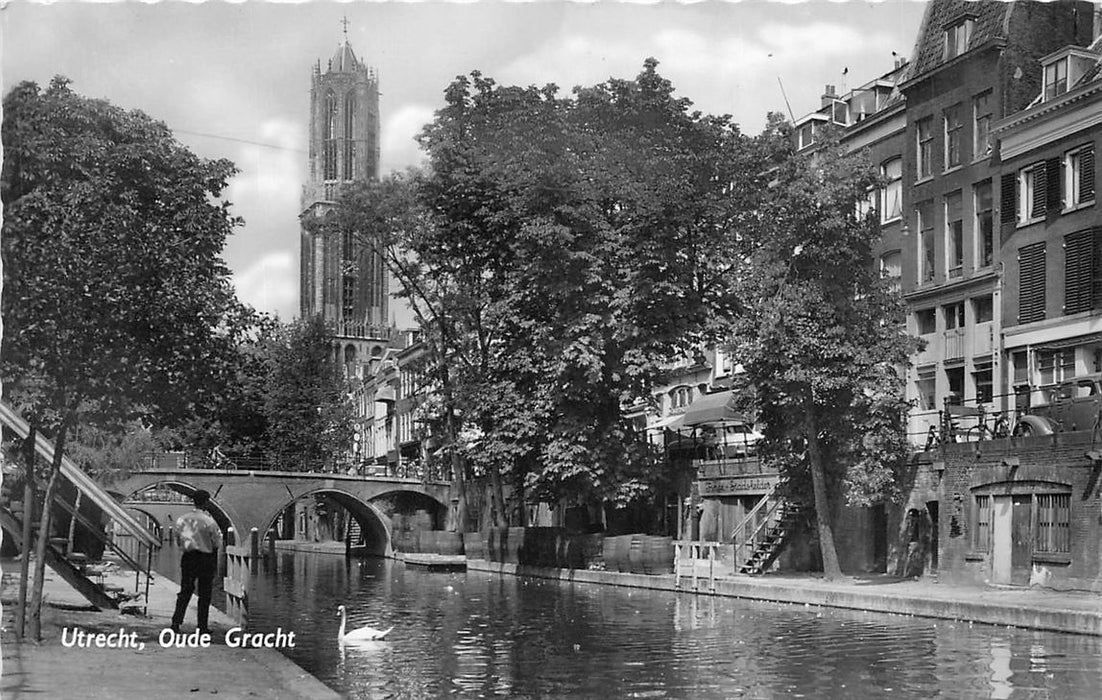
246,499
217,511
374,524
152,519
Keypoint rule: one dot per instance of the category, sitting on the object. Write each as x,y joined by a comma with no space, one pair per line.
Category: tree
564,248
306,401
115,297
822,335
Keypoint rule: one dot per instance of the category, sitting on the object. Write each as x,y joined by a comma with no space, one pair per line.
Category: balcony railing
351,329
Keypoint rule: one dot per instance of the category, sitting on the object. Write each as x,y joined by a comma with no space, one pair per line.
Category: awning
669,422
712,408
91,490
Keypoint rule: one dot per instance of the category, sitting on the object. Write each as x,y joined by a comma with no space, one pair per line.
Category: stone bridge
246,499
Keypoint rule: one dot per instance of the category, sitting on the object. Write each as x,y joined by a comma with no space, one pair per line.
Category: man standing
199,537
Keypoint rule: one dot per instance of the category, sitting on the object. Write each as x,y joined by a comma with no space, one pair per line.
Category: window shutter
1079,253
1008,212
1039,190
1031,283
1054,201
1096,268
1086,174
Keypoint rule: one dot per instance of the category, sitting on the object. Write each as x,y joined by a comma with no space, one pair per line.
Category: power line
237,140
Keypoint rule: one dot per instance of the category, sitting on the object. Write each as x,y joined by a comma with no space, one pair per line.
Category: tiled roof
990,23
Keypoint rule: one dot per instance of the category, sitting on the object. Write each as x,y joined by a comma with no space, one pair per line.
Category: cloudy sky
233,80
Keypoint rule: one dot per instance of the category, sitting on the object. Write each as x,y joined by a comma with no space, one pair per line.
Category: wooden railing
701,561
770,505
241,562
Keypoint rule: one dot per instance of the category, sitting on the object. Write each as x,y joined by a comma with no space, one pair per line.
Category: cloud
270,284
399,149
272,166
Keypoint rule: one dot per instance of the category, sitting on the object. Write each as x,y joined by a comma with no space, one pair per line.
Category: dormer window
1056,78
957,37
1064,68
807,129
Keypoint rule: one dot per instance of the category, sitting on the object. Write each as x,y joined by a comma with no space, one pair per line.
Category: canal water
475,635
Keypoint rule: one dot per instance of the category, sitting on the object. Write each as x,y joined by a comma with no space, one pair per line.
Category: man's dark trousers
197,570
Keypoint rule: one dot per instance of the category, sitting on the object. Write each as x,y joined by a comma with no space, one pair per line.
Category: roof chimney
829,95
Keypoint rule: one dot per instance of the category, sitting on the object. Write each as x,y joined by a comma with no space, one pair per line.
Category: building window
1031,283
982,309
926,388
954,315
1053,523
349,154
981,124
347,247
925,214
1083,271
1055,366
865,205
680,397
840,113
953,125
985,224
954,235
806,135
329,137
348,297
1031,193
1056,79
982,378
891,269
924,156
957,38
891,196
954,376
982,537
925,321
1079,176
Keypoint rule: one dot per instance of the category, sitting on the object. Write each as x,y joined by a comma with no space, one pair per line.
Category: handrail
765,500
78,478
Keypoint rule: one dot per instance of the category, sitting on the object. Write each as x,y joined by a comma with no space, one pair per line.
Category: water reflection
477,635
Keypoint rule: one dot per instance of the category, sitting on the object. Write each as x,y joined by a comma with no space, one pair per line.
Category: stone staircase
354,535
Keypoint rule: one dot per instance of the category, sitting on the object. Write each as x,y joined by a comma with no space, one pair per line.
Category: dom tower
342,279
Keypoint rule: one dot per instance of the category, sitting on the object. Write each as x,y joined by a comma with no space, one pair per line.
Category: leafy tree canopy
822,335
566,247
114,290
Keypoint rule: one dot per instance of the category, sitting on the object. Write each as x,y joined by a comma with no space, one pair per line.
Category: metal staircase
773,520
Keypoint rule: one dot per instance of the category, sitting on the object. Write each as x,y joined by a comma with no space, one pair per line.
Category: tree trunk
459,476
73,521
25,548
44,533
497,497
831,569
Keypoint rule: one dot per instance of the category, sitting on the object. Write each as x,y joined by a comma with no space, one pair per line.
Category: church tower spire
341,279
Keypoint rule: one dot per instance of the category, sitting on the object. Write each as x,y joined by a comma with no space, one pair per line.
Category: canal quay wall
1074,613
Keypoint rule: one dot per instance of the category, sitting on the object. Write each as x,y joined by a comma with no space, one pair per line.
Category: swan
360,634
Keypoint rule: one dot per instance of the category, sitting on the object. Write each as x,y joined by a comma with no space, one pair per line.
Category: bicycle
947,434
981,431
